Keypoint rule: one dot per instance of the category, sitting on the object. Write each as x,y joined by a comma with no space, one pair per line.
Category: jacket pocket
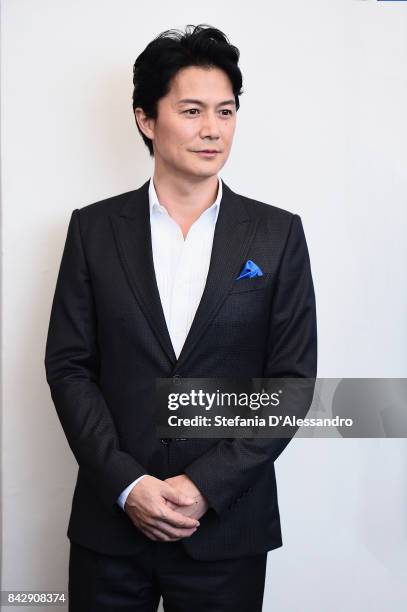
251,284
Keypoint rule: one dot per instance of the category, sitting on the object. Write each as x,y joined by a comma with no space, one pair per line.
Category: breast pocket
247,305
252,284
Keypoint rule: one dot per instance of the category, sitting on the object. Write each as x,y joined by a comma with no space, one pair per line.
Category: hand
148,507
185,485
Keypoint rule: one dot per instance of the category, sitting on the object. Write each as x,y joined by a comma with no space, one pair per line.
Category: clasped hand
166,510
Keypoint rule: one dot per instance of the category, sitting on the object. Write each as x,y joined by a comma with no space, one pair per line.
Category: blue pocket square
250,270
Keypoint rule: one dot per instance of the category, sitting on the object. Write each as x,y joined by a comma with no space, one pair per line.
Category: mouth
207,152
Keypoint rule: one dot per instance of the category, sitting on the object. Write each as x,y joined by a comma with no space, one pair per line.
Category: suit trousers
135,583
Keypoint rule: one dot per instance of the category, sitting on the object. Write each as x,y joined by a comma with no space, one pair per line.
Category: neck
185,200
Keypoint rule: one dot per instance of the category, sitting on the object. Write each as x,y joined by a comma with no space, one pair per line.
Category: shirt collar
155,204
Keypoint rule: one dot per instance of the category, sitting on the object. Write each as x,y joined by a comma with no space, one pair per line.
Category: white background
322,132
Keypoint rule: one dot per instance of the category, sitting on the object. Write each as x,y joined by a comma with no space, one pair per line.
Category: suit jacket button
177,379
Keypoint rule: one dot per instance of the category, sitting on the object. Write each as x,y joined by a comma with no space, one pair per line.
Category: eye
189,110
193,112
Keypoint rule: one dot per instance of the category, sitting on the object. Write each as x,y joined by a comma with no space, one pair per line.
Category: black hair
172,50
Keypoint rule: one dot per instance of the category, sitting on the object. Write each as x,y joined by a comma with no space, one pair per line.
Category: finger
176,519
149,534
160,536
171,531
156,534
170,504
176,496
160,522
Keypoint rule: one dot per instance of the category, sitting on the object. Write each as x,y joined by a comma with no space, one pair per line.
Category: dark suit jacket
108,342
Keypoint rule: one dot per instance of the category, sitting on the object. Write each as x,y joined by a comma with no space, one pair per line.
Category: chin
201,172
206,173
208,169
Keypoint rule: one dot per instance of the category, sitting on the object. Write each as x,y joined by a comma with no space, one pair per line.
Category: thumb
177,497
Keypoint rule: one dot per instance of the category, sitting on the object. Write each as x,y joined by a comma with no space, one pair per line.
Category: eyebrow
200,103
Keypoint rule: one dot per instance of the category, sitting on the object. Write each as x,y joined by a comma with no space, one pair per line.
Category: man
147,289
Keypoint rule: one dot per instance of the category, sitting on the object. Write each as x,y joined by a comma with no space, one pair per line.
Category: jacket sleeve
121,500
232,466
72,367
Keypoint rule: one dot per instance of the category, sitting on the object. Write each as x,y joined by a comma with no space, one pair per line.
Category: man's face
198,113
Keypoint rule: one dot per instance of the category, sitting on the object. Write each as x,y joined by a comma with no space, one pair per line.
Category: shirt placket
180,294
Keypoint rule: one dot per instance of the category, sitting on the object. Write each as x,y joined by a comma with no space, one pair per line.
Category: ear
146,124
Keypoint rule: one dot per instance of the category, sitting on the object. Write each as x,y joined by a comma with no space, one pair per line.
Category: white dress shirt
181,267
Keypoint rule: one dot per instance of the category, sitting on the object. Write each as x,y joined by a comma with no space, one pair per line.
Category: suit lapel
234,232
131,227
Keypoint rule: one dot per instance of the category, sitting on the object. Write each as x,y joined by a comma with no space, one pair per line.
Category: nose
209,126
